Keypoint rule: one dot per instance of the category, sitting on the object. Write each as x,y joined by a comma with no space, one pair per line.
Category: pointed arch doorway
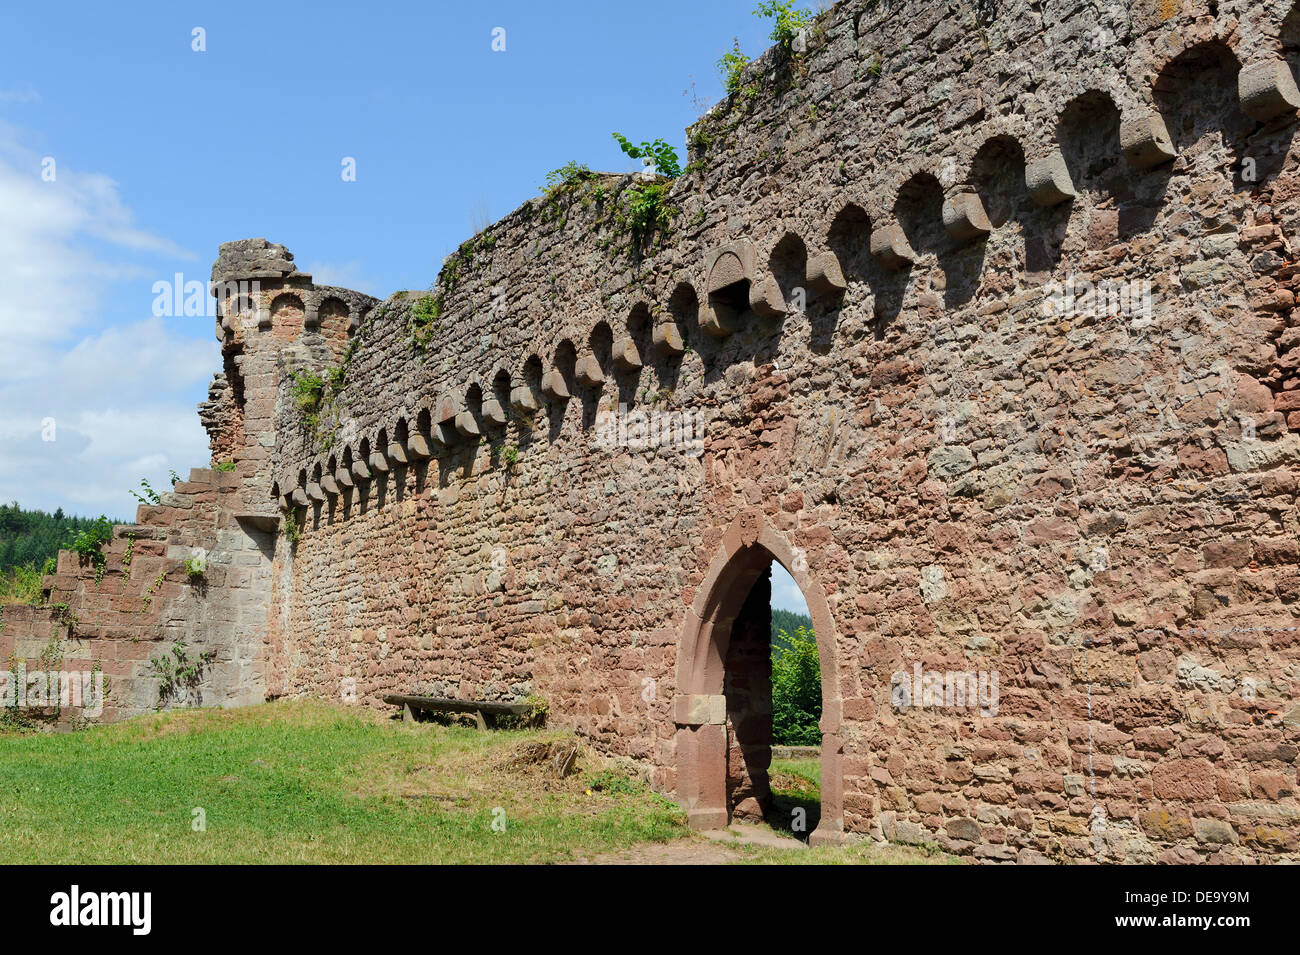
722,710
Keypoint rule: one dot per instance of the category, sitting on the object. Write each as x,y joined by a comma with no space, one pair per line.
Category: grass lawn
302,781
306,781
798,776
796,784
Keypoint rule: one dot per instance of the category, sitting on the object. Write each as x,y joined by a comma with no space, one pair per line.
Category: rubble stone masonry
982,319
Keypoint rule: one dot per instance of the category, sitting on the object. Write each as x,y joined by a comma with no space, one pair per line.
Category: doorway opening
794,776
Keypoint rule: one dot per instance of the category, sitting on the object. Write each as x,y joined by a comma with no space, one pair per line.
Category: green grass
802,776
308,782
302,782
796,784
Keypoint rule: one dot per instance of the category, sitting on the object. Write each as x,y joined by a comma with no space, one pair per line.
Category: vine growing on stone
659,152
645,210
291,528
787,20
565,178
149,497
424,319
731,65
316,396
89,543
178,671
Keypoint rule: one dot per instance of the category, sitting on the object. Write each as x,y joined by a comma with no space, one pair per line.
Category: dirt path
717,847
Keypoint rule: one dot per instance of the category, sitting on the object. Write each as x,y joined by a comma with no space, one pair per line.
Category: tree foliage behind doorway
796,688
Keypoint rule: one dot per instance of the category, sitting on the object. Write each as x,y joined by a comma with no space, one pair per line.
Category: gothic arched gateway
722,710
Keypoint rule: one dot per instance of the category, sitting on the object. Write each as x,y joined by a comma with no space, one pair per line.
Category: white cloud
342,275
120,395
17,96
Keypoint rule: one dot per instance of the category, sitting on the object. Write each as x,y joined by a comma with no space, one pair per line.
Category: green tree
796,689
784,623
29,542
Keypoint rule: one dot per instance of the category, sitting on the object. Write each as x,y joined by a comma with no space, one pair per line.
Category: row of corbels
1266,89
455,425
737,261
450,423
326,484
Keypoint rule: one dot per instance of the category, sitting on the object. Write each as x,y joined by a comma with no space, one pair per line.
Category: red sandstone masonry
957,477
144,601
839,451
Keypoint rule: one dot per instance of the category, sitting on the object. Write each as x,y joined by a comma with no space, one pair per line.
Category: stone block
824,275
1215,832
588,371
718,322
965,829
493,413
626,355
554,385
466,426
667,339
698,709
445,410
765,298
728,264
890,248
964,217
1144,140
417,447
1184,779
1048,180
523,399
1267,89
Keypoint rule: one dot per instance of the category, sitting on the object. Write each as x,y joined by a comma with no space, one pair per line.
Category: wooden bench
481,709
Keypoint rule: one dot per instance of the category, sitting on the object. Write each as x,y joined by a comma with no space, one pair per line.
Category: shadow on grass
795,807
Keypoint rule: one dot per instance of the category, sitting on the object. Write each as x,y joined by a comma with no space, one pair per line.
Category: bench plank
444,705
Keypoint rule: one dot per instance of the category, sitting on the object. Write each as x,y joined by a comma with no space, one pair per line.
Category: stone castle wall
981,322
144,605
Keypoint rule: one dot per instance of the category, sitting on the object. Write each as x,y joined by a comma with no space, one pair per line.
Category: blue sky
161,152
785,592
